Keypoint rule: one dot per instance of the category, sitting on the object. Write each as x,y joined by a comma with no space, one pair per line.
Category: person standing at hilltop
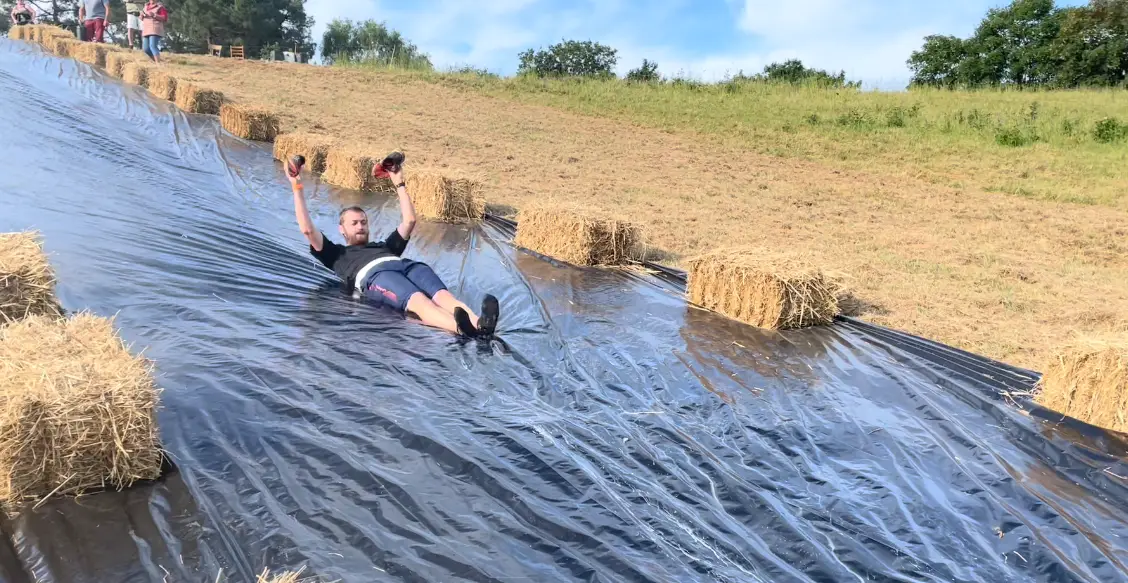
22,13
153,19
94,14
133,21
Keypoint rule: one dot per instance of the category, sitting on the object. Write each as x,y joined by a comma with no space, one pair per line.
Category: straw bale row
77,408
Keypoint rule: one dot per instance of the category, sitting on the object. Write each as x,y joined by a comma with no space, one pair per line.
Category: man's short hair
341,217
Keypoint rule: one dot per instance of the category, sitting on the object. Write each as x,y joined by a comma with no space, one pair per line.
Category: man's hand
295,181
396,175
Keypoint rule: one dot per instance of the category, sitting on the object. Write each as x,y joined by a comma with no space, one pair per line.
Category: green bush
1014,137
647,73
1109,130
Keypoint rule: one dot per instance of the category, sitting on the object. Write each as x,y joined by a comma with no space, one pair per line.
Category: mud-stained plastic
611,433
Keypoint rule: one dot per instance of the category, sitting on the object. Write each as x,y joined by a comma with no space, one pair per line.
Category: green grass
1066,146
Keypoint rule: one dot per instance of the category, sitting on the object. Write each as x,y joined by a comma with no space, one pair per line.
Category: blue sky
703,39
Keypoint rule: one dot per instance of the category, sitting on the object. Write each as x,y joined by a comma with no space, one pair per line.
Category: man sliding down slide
378,271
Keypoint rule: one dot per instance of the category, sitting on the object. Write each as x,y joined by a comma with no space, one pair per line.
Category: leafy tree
255,24
370,42
569,59
1032,43
793,71
647,73
1093,45
939,62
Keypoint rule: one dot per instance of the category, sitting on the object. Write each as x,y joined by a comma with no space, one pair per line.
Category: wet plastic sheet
615,434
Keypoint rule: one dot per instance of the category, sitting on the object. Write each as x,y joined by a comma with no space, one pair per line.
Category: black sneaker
487,322
465,328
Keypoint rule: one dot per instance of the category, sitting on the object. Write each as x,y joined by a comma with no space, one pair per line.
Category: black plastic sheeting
612,434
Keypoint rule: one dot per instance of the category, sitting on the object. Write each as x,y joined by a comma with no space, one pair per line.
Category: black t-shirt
347,261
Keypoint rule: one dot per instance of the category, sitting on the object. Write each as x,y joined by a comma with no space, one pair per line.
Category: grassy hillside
1048,145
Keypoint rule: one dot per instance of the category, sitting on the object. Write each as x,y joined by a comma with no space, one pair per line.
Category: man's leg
423,277
393,288
431,314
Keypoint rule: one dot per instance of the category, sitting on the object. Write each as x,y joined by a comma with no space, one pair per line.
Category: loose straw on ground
1089,381
576,236
249,122
440,196
765,289
314,147
77,409
27,282
193,98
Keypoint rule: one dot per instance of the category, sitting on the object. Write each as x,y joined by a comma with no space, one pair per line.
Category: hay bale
162,84
249,122
63,47
314,147
27,282
1089,381
195,99
438,196
576,236
115,63
16,33
350,166
48,34
764,289
77,410
90,53
136,73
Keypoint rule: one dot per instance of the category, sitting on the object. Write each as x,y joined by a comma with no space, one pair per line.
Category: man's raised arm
305,223
407,209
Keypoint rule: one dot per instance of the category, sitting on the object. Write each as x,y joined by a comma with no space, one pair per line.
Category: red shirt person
94,14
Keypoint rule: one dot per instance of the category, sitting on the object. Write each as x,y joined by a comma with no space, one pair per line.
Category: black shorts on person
394,282
391,282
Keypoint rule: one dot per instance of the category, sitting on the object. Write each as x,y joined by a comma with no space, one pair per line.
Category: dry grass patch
1089,381
576,235
193,98
77,410
764,289
27,282
162,84
136,73
438,196
249,122
314,147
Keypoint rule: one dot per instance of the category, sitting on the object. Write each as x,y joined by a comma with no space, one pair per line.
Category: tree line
373,42
261,26
1032,43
